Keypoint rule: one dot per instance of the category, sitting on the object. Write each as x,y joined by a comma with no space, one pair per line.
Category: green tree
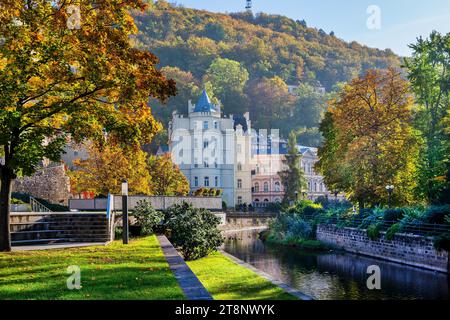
369,140
309,107
292,177
429,73
166,177
60,78
228,79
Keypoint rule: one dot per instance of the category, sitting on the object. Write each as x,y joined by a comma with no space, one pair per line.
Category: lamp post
389,189
125,235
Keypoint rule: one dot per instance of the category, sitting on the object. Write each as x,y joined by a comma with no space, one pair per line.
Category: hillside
269,47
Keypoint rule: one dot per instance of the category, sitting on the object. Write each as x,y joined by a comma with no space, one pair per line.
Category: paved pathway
278,283
188,281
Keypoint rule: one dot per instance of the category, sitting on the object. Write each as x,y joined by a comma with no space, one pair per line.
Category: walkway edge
268,277
192,287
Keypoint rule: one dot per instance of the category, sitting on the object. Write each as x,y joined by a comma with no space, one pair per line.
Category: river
336,275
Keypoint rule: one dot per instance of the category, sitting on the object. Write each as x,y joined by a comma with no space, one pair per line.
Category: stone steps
57,228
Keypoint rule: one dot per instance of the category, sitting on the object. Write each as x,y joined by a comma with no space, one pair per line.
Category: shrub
147,217
218,192
442,242
194,231
392,231
373,231
393,214
436,214
290,226
306,207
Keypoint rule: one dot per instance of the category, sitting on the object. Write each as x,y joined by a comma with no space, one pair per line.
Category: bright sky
402,21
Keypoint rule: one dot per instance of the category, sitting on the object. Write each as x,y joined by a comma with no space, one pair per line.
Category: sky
390,24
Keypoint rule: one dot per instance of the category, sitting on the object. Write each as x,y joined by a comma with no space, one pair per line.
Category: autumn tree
107,166
166,178
67,68
429,73
272,102
292,177
369,140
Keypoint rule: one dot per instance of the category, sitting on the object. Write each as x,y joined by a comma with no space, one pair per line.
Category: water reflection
337,275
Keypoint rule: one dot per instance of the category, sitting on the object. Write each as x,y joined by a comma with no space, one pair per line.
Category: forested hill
268,47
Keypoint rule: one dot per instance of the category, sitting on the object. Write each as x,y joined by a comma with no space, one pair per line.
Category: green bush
442,242
373,231
17,201
436,214
306,207
290,226
393,214
147,217
194,231
392,231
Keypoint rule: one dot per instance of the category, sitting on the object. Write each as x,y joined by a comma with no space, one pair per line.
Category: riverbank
304,244
226,280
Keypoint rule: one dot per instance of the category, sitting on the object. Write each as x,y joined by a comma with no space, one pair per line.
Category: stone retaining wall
404,248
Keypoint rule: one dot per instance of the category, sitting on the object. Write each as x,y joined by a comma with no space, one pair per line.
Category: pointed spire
204,103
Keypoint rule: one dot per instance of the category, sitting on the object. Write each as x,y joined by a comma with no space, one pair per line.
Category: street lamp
125,234
389,189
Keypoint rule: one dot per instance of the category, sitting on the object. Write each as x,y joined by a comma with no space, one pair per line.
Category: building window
216,181
239,148
266,187
206,181
256,200
266,200
277,186
195,162
216,125
257,168
239,184
205,125
196,143
239,200
181,153
256,187
309,186
206,163
205,144
196,181
239,167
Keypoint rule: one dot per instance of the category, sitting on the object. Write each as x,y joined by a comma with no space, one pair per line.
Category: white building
213,151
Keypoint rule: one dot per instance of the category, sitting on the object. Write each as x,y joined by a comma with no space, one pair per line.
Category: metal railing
416,228
36,206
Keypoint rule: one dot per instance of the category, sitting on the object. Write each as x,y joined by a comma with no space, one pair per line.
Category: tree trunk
5,201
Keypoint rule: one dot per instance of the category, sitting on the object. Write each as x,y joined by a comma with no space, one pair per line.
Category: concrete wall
159,203
404,248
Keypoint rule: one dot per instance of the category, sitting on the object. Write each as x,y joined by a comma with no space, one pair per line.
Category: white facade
204,144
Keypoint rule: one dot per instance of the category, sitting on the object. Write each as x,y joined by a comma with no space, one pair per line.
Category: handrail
36,206
419,228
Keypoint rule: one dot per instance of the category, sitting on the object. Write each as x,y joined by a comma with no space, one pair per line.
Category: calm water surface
336,275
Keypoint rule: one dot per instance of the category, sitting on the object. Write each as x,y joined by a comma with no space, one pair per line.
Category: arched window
266,187
277,186
256,200
206,181
277,200
266,200
195,181
216,181
239,184
239,166
315,186
257,187
205,125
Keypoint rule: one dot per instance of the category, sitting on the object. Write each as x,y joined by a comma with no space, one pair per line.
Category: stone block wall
50,183
404,248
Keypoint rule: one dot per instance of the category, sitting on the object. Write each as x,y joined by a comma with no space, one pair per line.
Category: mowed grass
226,280
136,271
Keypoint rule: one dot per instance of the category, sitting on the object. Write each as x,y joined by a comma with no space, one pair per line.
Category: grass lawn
226,280
136,271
